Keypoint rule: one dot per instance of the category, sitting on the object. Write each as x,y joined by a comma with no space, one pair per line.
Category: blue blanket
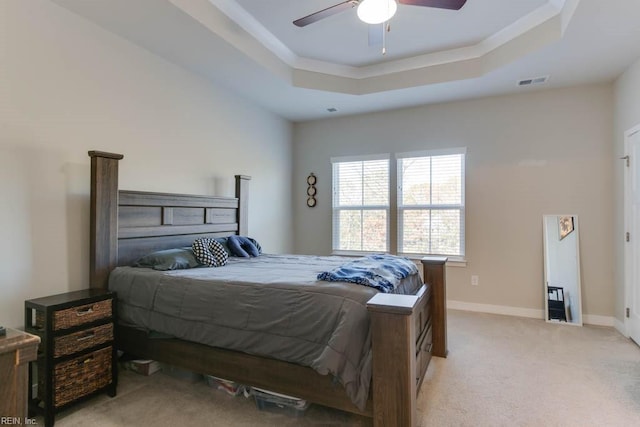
383,272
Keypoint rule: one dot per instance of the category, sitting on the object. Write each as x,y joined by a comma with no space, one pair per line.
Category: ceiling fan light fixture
376,11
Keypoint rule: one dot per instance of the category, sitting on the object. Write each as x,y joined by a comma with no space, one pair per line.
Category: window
361,203
427,204
431,202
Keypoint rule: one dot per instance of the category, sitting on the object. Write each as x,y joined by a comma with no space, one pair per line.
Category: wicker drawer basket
75,316
82,340
80,376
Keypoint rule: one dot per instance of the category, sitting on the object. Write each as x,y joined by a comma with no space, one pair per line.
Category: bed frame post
393,388
103,242
242,194
399,340
434,273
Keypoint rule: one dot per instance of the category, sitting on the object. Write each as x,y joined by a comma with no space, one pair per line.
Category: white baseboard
589,319
620,327
496,309
596,320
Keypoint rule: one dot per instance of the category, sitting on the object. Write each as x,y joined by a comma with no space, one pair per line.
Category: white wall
66,87
527,155
627,116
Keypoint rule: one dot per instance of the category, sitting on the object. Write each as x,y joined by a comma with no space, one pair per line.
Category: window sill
451,261
354,253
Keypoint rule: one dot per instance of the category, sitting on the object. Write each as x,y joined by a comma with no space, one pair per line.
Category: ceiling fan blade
324,13
375,34
440,4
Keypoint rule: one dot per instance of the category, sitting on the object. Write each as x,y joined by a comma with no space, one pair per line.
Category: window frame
461,207
335,226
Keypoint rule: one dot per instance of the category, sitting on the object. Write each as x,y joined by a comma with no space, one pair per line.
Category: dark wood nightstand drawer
81,376
424,347
82,340
76,316
423,320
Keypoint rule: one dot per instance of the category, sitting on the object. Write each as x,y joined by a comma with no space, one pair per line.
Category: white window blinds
431,202
361,203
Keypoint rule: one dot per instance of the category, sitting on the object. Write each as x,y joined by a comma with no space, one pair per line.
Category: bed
405,330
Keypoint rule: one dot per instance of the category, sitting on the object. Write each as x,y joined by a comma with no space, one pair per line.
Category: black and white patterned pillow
209,252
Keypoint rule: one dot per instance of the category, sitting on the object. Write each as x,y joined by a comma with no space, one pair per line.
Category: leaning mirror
562,269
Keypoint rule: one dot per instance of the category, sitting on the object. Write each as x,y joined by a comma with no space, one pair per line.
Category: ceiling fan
375,11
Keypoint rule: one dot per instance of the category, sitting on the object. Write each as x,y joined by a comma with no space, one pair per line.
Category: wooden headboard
125,225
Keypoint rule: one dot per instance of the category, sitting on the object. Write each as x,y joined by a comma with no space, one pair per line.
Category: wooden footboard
406,331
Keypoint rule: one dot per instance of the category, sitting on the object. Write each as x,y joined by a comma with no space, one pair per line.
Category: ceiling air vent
533,81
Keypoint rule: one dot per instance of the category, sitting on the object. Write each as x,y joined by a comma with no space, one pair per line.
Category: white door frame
628,253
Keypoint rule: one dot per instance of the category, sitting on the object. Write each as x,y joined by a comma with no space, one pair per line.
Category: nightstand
77,356
17,349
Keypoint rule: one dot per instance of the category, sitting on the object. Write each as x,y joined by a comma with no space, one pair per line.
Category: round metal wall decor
311,190
311,179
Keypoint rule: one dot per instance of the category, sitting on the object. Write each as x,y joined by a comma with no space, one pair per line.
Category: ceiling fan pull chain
384,38
386,27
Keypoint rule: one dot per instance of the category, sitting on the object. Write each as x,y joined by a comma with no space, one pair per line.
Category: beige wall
627,116
527,155
66,87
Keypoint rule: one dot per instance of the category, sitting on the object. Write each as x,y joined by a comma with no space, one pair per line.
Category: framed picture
566,226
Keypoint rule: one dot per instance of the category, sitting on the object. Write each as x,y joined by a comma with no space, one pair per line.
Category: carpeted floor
501,371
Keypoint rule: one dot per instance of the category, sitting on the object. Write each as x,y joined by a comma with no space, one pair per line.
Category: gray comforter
269,306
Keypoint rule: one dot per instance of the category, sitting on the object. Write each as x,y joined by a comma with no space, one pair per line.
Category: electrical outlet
475,280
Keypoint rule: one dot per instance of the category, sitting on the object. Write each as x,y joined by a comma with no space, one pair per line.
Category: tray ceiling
252,48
